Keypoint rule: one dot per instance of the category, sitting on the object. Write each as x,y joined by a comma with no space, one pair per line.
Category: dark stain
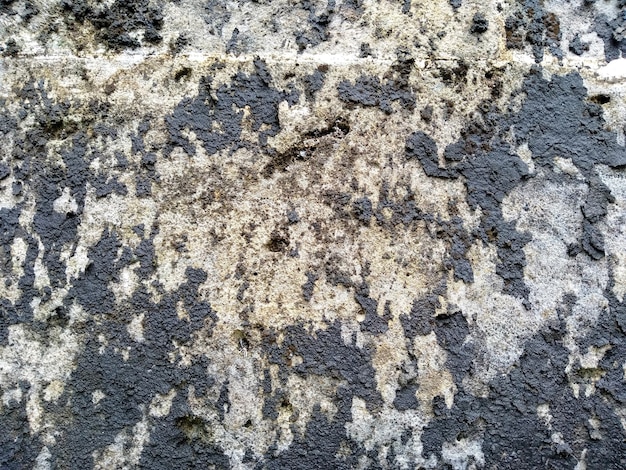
456,75
313,83
480,24
371,91
115,23
279,242
405,398
182,73
577,46
309,286
491,170
318,26
539,377
217,121
323,354
613,33
531,24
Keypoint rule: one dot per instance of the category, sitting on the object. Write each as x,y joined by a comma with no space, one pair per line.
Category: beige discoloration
45,366
434,379
221,212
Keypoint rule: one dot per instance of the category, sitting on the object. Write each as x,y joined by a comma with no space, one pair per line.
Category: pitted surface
321,234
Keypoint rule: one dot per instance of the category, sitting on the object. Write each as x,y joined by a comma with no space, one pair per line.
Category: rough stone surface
314,234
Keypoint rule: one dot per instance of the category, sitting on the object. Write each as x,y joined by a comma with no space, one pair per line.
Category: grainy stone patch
316,234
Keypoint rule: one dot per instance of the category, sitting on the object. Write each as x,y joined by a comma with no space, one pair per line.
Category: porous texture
315,234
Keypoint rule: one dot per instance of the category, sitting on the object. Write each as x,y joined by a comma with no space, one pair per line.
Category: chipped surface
342,234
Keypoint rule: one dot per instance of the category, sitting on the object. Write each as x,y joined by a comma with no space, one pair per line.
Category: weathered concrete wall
314,234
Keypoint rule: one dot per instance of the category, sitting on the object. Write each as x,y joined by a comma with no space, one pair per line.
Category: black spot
313,83
577,46
363,210
612,32
531,24
480,24
309,286
405,398
182,73
278,242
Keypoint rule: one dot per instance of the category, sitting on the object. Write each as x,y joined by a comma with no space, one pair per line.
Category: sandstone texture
316,234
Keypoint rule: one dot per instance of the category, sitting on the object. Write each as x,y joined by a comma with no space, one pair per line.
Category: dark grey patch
426,113
480,24
242,290
91,290
222,405
577,46
491,170
323,354
143,186
313,83
326,354
16,189
217,15
318,26
539,378
136,139
309,286
370,91
132,383
365,50
594,210
128,384
203,114
372,323
460,242
420,321
451,331
293,217
29,11
180,43
592,241
18,448
9,224
613,34
355,5
456,3
454,75
182,439
532,25
146,173
363,210
419,145
271,402
405,398
114,23
6,7
11,49
406,6
236,43
112,185
321,441
489,177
